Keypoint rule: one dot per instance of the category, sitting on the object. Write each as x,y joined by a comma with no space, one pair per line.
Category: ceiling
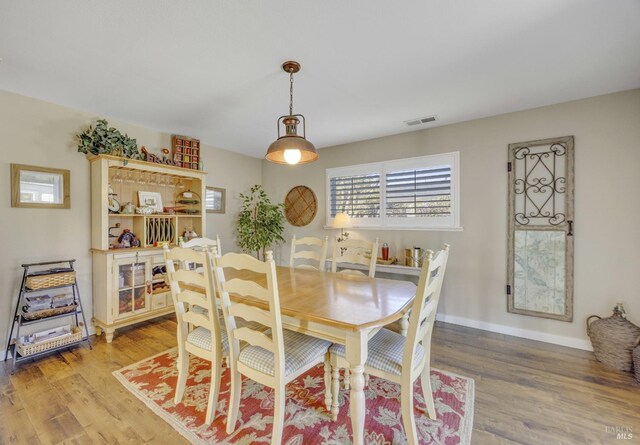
211,69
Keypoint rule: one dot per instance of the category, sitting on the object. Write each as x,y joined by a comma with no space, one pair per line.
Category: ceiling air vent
420,121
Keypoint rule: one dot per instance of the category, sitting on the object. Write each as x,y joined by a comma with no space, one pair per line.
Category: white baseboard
516,332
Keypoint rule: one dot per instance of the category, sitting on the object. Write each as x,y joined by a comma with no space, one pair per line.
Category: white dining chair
355,251
272,358
203,243
199,245
199,330
308,249
403,359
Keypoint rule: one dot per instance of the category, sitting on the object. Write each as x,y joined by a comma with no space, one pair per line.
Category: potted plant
103,139
260,223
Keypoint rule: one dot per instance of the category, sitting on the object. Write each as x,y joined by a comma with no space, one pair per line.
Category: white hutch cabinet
128,283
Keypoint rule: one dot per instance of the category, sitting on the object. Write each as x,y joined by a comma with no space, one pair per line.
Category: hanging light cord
291,93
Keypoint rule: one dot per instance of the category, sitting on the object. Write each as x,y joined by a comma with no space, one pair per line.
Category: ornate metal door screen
540,237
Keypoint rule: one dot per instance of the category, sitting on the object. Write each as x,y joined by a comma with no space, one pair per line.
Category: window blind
209,200
418,193
356,195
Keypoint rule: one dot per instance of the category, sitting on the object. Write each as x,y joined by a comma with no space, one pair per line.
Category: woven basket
26,350
36,315
613,339
36,282
636,362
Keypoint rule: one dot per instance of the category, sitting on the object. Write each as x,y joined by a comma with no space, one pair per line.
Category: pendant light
291,148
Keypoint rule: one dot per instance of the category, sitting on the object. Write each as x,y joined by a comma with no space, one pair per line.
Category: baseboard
516,332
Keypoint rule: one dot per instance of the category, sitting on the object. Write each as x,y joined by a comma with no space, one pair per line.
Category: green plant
260,223
103,139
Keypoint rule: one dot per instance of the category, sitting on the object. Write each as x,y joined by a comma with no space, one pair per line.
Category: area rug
306,421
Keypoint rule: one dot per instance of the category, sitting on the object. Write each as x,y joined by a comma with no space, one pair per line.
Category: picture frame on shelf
215,200
150,199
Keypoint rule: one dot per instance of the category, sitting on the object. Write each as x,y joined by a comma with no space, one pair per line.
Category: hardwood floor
527,392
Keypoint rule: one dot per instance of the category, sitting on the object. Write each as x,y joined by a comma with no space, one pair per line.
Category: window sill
396,228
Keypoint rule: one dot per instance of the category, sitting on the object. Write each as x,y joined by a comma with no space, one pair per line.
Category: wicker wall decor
613,339
301,205
636,362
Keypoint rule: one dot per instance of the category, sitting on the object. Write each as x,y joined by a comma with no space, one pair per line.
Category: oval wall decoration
301,205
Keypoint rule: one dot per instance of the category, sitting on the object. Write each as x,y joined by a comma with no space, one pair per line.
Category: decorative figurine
189,234
128,239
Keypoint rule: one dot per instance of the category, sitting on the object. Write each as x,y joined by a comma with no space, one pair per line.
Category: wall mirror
40,187
540,229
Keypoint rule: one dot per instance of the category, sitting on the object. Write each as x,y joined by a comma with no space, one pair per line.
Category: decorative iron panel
540,237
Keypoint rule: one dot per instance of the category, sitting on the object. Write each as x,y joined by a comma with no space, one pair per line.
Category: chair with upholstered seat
199,330
272,358
403,359
355,251
313,250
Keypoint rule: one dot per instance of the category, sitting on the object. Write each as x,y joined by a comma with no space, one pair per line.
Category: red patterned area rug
307,422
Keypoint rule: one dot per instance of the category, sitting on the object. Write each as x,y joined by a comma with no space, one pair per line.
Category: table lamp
342,221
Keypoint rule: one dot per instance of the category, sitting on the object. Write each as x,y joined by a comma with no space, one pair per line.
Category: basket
386,262
636,362
35,282
613,339
26,350
36,315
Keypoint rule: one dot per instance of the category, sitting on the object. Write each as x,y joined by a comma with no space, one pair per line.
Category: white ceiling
211,69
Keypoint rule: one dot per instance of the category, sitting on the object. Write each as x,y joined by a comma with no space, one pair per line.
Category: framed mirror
540,236
40,187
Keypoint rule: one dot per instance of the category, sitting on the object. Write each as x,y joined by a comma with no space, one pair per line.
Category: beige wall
607,183
39,133
606,129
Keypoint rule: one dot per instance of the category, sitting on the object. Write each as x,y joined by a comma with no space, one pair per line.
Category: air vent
420,121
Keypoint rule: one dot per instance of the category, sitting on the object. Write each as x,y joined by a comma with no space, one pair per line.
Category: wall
42,134
607,209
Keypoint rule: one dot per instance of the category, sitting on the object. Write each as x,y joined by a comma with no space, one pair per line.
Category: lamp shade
341,221
288,144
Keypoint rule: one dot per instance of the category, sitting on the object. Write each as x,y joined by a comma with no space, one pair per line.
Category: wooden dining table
341,308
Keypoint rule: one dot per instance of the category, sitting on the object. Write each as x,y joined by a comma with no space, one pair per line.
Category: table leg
404,324
356,352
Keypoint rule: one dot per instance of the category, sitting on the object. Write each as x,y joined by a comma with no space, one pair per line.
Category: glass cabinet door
131,287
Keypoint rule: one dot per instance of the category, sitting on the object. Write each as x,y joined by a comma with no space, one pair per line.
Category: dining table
342,308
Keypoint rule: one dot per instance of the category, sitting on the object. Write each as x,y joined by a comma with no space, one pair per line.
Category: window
357,195
214,200
414,193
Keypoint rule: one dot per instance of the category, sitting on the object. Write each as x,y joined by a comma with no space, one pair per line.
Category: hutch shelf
128,283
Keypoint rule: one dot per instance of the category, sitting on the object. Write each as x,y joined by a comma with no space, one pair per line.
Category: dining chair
201,244
199,330
308,253
274,357
403,359
355,251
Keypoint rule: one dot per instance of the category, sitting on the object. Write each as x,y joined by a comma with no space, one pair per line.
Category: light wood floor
526,392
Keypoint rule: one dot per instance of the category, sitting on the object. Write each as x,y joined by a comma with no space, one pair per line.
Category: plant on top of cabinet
260,223
103,139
